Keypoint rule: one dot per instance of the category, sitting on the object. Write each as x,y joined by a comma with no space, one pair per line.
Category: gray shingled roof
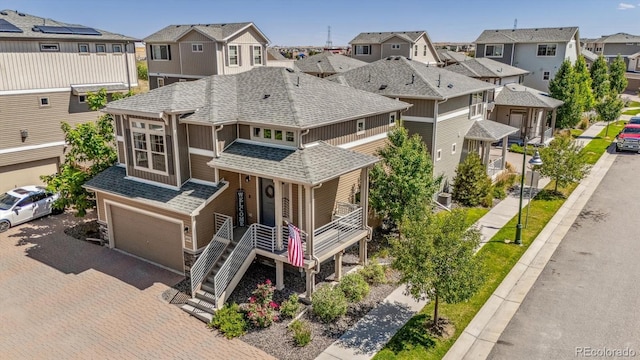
327,63
265,95
380,37
533,35
446,54
589,55
520,95
217,32
275,54
27,22
398,76
186,200
83,89
487,130
312,165
618,38
485,67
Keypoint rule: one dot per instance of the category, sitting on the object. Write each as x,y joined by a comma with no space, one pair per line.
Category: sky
305,22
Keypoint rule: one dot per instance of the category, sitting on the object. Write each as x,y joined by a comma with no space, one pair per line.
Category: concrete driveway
63,298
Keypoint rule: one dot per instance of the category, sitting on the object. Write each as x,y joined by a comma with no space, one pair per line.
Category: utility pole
329,43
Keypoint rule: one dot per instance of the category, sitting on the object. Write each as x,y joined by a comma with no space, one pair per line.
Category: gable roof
446,54
520,95
274,54
216,32
618,38
532,35
488,130
397,76
28,26
266,95
327,63
380,37
588,55
485,67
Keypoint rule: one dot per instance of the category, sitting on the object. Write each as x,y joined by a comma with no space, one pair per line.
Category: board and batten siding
454,104
423,108
245,40
325,200
200,136
244,131
197,63
164,66
205,225
450,131
345,132
199,168
226,136
121,153
183,152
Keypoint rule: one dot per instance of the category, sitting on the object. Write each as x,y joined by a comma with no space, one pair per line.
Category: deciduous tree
563,161
583,80
617,77
609,109
471,185
600,78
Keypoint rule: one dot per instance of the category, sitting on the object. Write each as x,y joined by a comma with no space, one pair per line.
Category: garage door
150,238
26,173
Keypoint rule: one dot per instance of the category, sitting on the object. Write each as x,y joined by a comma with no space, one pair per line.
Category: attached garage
153,238
27,173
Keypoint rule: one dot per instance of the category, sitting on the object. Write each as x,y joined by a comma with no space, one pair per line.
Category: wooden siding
370,148
376,53
345,132
226,136
244,132
165,66
183,152
423,108
197,63
121,153
425,130
200,136
386,49
117,119
325,199
27,173
205,225
226,201
449,132
454,104
251,198
245,40
200,169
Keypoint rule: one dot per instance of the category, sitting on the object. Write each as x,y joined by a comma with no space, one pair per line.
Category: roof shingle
327,63
217,32
380,37
533,35
520,95
487,130
485,67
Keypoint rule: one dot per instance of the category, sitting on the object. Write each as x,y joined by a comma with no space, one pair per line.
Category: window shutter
170,159
168,52
127,144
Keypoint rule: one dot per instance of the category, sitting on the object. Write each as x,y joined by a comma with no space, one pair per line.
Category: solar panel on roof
71,30
54,30
6,26
84,30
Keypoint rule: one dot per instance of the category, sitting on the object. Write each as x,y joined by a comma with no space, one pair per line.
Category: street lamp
535,160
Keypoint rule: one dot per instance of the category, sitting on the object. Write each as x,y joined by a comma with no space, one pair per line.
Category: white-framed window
290,137
475,108
148,145
453,148
257,55
547,49
49,47
362,50
267,134
392,119
101,48
395,46
493,50
424,50
438,154
415,50
44,101
160,52
360,128
599,49
276,136
82,99
83,48
160,82
546,75
196,48
116,48
234,57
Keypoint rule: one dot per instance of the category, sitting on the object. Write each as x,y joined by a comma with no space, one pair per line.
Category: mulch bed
84,230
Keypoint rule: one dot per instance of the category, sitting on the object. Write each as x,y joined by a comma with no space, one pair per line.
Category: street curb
484,330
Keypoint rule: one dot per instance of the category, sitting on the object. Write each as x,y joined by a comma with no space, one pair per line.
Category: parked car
25,203
634,120
629,138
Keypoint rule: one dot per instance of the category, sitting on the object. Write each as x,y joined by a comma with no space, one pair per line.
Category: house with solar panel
190,52
210,173
47,69
373,46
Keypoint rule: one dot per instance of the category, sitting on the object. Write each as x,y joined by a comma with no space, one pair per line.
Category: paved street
63,298
586,300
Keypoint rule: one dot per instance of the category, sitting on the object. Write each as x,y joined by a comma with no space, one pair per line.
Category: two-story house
46,69
610,46
210,171
540,51
449,110
373,46
326,64
193,51
489,70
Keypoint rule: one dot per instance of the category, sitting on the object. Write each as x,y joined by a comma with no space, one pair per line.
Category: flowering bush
262,311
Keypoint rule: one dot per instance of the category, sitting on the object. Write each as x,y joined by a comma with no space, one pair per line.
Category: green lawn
633,104
411,342
474,214
576,132
631,112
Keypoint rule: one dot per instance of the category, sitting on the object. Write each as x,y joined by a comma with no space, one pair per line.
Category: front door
267,202
515,120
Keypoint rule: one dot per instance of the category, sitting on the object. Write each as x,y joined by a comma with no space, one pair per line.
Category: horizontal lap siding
325,199
26,173
20,157
205,225
454,104
345,132
164,66
245,40
451,131
199,168
183,152
200,136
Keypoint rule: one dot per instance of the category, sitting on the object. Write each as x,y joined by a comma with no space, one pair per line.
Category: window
160,82
257,55
438,154
83,48
49,47
360,127
278,135
196,47
395,46
149,149
82,99
392,119
273,135
44,101
545,75
546,49
476,104
160,52
233,55
290,137
363,50
424,50
266,134
453,148
598,49
415,50
493,50
116,48
256,132
101,48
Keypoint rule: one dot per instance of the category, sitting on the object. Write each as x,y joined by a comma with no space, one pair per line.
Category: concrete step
208,287
205,295
198,313
203,305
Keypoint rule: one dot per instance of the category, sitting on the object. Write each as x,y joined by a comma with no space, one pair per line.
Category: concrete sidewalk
373,331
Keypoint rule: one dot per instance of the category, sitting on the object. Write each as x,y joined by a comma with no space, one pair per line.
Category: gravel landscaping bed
84,230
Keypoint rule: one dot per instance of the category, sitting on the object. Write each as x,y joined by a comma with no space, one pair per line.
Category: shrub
301,332
487,201
471,184
290,307
354,287
143,73
373,273
329,303
230,321
584,123
499,192
262,310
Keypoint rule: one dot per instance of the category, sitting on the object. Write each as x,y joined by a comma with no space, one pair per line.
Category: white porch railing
285,238
495,166
265,237
232,264
200,269
340,228
548,134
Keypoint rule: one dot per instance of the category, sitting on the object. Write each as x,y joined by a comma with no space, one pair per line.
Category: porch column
364,196
338,264
311,282
505,142
486,147
553,118
543,127
279,275
308,221
300,223
363,251
278,212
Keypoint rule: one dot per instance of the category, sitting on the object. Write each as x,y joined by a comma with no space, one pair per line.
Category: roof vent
223,24
450,86
20,14
389,58
289,70
178,26
3,13
382,87
398,58
266,96
535,30
207,24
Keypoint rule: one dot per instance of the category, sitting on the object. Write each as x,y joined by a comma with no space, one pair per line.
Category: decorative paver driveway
62,298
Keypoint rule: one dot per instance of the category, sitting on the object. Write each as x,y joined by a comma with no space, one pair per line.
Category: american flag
296,255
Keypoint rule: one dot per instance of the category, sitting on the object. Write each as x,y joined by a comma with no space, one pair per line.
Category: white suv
23,204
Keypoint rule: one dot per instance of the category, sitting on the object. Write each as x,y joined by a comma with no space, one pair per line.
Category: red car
629,138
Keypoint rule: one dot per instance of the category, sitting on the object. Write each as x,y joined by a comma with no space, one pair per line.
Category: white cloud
625,6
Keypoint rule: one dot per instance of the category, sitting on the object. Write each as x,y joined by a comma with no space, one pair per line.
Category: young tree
617,70
609,109
600,78
435,258
404,178
563,161
565,87
471,185
583,80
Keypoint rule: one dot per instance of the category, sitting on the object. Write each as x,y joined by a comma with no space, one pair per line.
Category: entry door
515,120
267,202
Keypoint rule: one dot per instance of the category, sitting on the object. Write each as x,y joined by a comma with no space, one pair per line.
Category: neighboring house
489,70
327,64
46,69
540,51
449,57
213,169
610,46
190,52
373,46
449,110
589,57
275,58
